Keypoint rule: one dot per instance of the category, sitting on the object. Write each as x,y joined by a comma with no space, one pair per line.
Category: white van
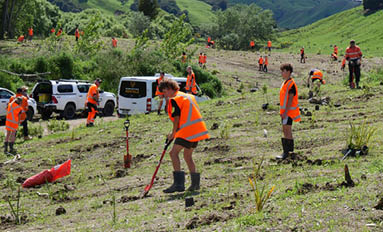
136,94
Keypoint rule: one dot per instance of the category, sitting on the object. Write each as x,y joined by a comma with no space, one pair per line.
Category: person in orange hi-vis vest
21,38
335,50
59,32
204,60
289,110
188,129
23,93
114,42
159,93
53,30
92,102
190,81
77,34
260,62
334,57
269,45
200,59
252,44
12,123
343,64
316,76
30,33
265,63
303,58
354,58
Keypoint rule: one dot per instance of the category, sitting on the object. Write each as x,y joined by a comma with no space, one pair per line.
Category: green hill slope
339,29
297,13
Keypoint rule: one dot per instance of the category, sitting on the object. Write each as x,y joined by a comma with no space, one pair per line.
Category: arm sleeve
176,111
293,90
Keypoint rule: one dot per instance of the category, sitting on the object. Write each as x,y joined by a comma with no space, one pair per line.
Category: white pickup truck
67,97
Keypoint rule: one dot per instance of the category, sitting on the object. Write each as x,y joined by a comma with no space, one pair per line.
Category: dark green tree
148,7
372,4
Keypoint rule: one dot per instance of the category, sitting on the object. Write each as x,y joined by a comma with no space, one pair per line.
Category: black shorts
186,144
287,121
316,79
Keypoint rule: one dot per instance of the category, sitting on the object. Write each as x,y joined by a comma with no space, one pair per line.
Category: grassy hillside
296,13
339,29
199,12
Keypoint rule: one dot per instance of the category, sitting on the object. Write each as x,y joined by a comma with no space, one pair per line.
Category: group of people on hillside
263,62
77,34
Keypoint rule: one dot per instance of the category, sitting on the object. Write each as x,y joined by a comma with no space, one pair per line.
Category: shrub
41,64
57,125
62,65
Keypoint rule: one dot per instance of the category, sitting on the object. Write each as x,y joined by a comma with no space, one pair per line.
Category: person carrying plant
354,58
260,63
188,129
23,94
316,76
289,110
191,86
92,102
159,93
12,122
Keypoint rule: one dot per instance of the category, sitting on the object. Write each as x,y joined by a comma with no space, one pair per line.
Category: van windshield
133,89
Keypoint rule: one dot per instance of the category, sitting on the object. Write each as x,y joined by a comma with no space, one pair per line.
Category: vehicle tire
69,111
30,113
46,114
108,108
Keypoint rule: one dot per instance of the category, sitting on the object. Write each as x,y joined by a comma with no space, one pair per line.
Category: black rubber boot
11,149
5,147
178,184
195,180
285,149
290,143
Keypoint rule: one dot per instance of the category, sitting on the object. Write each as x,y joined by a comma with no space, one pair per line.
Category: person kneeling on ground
12,122
188,129
316,76
289,109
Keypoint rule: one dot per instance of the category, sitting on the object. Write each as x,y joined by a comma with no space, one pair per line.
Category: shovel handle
127,124
167,143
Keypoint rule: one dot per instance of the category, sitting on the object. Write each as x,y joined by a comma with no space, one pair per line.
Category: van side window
5,94
83,88
133,89
65,88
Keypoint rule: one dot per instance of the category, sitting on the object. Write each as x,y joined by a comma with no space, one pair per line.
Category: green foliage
224,132
148,7
57,125
260,196
138,23
90,43
15,210
61,66
236,26
177,39
360,136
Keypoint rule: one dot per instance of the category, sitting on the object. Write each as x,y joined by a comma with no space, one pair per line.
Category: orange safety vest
252,43
77,34
21,38
336,50
317,75
260,61
53,30
200,59
12,121
30,31
183,58
59,32
190,83
204,59
114,43
208,39
266,61
344,62
191,126
158,84
24,105
269,44
353,53
293,111
302,51
93,94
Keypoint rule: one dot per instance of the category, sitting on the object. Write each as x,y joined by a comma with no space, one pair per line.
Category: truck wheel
108,108
46,114
30,113
69,111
